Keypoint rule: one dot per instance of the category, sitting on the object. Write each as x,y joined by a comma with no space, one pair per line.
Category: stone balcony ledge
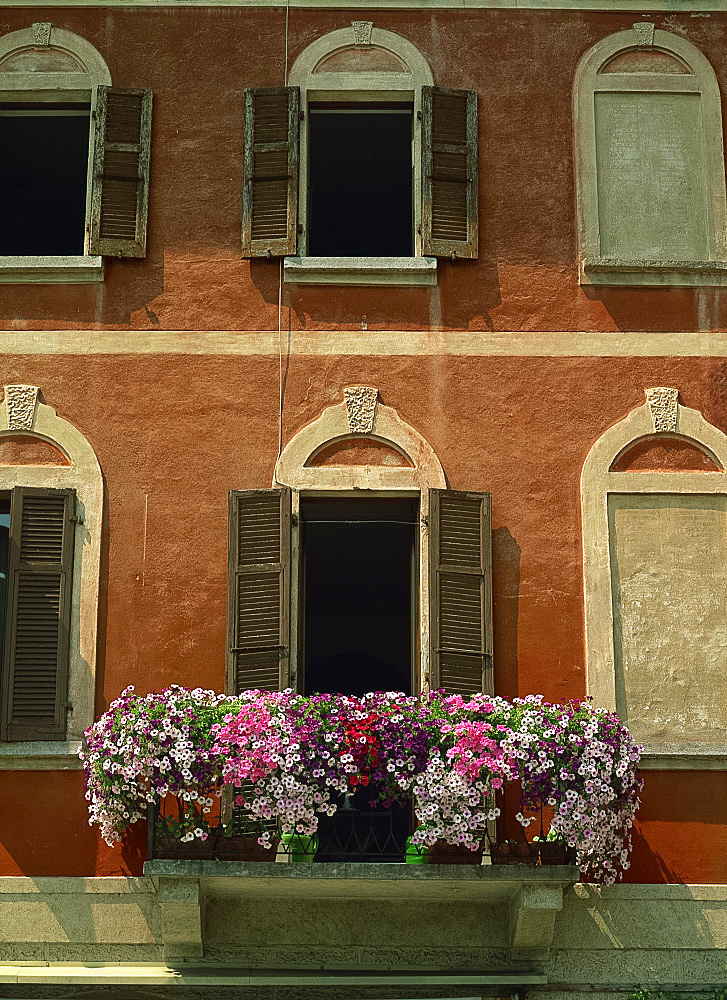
533,895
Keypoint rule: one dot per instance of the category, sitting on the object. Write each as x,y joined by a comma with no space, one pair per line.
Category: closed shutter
259,590
35,665
460,566
120,196
449,172
270,172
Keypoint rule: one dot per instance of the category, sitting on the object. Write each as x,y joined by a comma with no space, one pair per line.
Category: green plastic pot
416,854
300,847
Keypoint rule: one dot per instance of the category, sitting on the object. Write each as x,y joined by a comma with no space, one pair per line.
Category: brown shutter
259,580
449,172
35,665
270,172
460,567
120,195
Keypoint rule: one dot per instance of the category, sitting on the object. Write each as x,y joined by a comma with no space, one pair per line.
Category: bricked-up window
650,164
36,611
43,170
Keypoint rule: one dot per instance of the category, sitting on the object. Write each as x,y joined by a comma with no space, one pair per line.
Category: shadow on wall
662,309
506,590
465,293
128,286
680,834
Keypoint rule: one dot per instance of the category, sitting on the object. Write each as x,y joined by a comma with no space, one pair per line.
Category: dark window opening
358,614
360,181
358,609
43,170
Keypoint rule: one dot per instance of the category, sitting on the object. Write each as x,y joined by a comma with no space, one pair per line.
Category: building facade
270,269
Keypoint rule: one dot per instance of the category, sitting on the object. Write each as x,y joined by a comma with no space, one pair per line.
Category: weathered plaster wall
174,433
198,61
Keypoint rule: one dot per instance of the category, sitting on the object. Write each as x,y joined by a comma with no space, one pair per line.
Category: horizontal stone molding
360,270
79,270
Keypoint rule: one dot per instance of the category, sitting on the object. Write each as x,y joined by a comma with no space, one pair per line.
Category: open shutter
259,595
37,630
449,172
120,195
460,566
270,172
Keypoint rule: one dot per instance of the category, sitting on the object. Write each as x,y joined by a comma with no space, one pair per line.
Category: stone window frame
66,87
593,268
338,424
84,476
660,414
352,87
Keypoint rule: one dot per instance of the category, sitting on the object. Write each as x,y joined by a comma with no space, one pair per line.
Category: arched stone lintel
66,41
332,425
593,61
304,66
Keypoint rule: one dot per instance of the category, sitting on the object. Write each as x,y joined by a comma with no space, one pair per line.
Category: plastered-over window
650,163
654,505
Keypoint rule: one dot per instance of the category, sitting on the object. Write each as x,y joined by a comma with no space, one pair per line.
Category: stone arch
341,422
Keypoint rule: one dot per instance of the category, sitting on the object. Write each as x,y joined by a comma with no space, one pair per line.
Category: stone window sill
61,755
360,270
79,270
676,273
683,757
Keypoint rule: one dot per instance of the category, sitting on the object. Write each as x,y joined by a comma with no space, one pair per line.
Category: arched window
75,159
360,171
360,570
51,505
649,161
654,510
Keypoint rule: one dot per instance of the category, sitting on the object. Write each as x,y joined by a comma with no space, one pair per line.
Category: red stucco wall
173,433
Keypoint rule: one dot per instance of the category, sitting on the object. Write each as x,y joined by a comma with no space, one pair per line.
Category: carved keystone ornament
644,33
362,32
664,406
41,34
20,401
361,403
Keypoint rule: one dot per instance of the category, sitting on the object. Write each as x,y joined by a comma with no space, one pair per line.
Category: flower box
454,854
520,853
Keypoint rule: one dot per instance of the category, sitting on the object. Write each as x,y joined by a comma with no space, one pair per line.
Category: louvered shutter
37,631
460,566
120,196
449,172
259,571
270,172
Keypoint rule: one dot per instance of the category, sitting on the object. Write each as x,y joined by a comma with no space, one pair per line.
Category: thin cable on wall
280,279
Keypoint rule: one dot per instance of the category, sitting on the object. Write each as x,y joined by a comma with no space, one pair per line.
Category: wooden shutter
449,172
35,665
270,172
460,567
259,595
120,197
